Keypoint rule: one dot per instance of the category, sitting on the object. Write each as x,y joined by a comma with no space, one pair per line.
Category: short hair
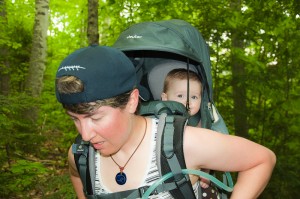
72,84
180,74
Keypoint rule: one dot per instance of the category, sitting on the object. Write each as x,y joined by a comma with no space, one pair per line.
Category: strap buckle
143,189
181,181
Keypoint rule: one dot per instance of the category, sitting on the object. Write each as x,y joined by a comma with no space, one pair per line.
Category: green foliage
20,177
13,124
269,31
18,137
15,41
58,186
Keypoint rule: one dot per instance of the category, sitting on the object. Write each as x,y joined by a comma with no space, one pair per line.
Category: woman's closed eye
96,118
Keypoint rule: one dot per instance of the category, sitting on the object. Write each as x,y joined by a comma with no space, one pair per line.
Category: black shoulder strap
172,156
80,150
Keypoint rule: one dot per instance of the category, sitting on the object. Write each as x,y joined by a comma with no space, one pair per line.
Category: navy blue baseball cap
106,72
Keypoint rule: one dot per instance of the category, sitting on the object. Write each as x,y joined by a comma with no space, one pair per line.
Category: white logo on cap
74,67
134,37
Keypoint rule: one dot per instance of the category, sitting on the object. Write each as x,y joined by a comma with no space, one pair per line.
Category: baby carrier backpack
156,48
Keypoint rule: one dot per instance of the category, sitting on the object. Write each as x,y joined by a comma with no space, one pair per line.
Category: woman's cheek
106,127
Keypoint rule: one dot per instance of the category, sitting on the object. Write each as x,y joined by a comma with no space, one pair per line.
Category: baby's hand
204,183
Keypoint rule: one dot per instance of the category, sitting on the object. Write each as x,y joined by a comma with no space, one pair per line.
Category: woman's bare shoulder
205,148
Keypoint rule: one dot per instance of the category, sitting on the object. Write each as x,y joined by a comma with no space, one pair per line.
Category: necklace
121,176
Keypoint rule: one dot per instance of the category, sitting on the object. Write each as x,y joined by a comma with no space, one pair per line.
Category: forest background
254,47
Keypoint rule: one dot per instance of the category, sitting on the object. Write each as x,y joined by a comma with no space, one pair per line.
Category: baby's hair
180,74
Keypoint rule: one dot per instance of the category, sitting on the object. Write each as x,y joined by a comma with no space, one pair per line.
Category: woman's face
107,129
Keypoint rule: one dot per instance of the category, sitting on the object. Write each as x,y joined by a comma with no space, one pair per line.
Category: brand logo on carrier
134,37
68,68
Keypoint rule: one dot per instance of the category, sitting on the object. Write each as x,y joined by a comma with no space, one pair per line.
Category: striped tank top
150,178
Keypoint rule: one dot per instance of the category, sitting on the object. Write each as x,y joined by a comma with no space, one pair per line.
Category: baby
175,89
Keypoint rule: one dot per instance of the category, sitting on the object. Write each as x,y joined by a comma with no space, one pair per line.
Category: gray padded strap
160,129
173,162
169,147
92,166
82,170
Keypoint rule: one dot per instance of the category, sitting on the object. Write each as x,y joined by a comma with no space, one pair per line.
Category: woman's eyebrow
72,116
84,115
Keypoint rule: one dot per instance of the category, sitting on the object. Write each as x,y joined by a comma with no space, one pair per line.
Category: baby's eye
194,97
180,96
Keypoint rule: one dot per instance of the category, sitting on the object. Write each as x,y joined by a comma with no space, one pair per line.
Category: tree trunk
4,54
37,65
92,29
238,79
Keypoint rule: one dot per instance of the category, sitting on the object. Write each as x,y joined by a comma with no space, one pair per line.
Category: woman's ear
164,97
133,101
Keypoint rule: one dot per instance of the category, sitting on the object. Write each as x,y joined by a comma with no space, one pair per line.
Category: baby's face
178,92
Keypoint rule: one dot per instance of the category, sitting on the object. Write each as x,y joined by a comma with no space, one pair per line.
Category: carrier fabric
152,174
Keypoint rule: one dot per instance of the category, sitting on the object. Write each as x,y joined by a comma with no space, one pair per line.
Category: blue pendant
121,178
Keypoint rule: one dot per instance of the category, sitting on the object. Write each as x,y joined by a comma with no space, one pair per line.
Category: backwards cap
105,72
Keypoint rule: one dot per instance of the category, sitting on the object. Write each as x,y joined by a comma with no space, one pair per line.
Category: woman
97,86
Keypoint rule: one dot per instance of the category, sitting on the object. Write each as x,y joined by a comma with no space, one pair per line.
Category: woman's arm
253,162
74,175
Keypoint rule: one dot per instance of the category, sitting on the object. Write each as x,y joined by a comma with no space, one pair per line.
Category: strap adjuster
180,182
142,190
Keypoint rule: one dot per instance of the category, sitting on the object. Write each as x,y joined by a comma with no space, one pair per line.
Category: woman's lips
98,145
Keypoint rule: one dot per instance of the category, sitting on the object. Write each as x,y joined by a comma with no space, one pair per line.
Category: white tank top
150,178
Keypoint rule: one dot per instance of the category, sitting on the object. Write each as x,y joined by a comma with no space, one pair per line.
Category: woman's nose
86,131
